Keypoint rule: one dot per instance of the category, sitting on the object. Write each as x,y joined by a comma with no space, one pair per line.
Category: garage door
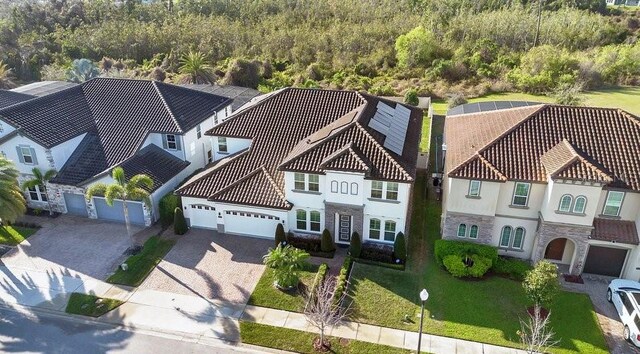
116,213
76,204
202,216
252,224
605,261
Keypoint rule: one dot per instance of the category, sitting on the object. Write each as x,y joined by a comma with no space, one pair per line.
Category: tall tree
40,180
12,203
136,188
196,69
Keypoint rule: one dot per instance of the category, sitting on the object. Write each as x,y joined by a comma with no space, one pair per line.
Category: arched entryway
562,252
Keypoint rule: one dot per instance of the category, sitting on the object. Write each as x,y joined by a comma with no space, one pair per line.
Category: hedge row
322,272
168,204
512,268
343,278
445,248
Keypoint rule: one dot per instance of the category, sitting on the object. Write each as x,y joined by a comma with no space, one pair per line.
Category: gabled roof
528,144
9,98
307,130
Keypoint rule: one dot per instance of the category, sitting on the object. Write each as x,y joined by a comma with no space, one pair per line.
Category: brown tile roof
601,144
615,230
302,130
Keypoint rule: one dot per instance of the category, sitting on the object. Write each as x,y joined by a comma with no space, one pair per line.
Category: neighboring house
547,182
624,2
84,131
310,159
9,98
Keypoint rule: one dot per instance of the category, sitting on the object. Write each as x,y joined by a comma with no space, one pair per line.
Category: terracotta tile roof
478,167
621,231
303,130
257,189
601,144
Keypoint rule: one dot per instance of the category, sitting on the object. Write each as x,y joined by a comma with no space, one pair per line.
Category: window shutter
33,156
178,145
164,141
20,157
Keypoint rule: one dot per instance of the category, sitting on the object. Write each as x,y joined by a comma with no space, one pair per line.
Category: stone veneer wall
549,231
357,211
484,222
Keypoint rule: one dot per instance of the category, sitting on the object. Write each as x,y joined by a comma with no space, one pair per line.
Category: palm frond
49,175
113,192
96,189
139,194
119,176
141,180
32,183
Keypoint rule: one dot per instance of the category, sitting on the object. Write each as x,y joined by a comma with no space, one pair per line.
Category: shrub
343,278
286,262
355,245
179,223
512,268
417,48
445,248
168,204
242,73
472,266
326,242
456,99
411,97
307,243
377,252
541,283
281,237
400,247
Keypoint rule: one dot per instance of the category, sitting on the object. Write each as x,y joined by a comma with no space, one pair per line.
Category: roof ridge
237,182
166,105
492,167
274,185
384,151
349,148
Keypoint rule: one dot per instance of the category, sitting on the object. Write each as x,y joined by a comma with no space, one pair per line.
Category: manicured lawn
13,235
302,342
90,305
142,263
267,295
426,133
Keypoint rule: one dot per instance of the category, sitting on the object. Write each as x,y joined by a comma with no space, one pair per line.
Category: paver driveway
72,245
210,265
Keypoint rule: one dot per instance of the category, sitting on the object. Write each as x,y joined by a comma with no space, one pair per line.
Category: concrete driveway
210,265
71,245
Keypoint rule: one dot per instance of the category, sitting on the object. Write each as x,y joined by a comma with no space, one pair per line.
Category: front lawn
140,265
90,305
302,342
13,235
267,295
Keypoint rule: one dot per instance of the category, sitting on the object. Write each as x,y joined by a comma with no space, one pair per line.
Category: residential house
310,159
547,182
624,2
84,131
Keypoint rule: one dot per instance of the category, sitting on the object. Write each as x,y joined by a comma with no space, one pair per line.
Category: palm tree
5,77
40,180
194,66
136,188
12,203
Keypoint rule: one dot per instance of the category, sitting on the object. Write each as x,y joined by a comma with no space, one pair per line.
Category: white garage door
252,224
202,216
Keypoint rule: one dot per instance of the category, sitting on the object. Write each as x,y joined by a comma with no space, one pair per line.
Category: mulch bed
573,278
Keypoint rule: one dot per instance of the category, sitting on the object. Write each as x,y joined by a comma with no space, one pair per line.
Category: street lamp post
424,295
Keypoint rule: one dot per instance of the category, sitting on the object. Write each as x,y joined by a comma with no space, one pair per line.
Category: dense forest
435,47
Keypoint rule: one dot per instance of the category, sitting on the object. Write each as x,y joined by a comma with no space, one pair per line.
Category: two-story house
310,159
547,182
85,131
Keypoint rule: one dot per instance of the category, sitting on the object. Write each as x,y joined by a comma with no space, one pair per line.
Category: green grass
426,133
302,342
267,295
142,263
13,235
87,305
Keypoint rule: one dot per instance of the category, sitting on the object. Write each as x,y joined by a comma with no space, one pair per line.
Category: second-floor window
565,203
613,203
306,182
198,131
392,191
27,155
171,142
222,144
384,190
569,205
376,189
521,194
474,188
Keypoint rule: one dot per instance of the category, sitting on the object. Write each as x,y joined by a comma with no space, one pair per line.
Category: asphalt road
45,333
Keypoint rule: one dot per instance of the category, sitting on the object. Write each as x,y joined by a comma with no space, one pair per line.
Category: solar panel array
392,123
478,107
44,88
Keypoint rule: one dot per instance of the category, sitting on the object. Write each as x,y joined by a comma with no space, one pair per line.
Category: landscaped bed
141,264
13,235
90,305
267,295
302,342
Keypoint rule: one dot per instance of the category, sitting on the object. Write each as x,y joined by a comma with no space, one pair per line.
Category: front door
344,227
555,249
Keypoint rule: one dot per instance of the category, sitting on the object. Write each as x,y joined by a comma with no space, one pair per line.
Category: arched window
505,236
565,203
344,187
473,231
314,221
374,229
389,230
518,238
580,205
354,188
334,186
462,230
301,219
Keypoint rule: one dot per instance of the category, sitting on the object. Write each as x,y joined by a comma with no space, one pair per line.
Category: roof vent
392,123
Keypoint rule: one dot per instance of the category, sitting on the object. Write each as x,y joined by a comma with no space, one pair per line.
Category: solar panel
392,123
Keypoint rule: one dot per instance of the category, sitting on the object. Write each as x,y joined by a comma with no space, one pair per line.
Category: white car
625,296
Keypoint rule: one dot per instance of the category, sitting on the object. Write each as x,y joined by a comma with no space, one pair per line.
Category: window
1,128
199,131
565,203
215,118
37,195
314,221
171,142
392,191
344,187
521,194
222,144
298,181
462,230
376,189
354,188
613,203
209,156
518,238
314,183
473,232
505,237
389,230
27,155
374,229
334,186
580,205
301,219
474,188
